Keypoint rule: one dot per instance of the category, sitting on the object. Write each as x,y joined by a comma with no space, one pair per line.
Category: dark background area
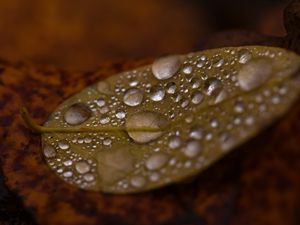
81,35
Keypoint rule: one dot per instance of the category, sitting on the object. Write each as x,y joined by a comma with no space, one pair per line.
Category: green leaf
165,122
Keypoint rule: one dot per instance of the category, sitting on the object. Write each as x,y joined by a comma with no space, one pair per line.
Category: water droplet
154,176
254,73
88,177
185,103
249,120
157,93
145,119
68,163
239,107
133,83
174,142
103,87
196,133
156,161
77,114
244,56
120,115
196,82
68,174
171,88
104,110
213,86
192,148
166,67
63,145
197,97
137,181
218,62
82,167
133,97
100,102
275,99
187,70
104,119
107,141
214,123
49,151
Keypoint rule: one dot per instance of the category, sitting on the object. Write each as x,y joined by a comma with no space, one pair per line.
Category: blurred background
81,34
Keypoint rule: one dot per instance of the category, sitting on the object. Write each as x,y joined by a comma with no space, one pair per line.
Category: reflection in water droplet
197,97
156,161
133,97
145,119
165,68
192,148
157,93
82,167
254,73
49,151
77,114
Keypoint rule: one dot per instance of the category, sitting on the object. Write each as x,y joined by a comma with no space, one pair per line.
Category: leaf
168,121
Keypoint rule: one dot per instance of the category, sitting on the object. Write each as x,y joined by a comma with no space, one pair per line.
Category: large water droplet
77,114
165,68
156,161
157,93
49,151
145,119
192,148
133,97
82,167
254,73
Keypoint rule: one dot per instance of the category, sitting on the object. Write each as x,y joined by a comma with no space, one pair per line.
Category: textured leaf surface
202,105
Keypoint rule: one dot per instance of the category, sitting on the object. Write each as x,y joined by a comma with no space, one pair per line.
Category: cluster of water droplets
185,97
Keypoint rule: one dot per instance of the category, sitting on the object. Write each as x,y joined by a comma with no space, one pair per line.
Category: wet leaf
165,122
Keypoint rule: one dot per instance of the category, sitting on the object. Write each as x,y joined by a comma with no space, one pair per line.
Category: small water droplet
213,86
218,62
175,142
187,70
88,177
192,148
107,141
154,177
196,82
104,119
196,133
63,145
197,97
157,93
68,163
100,102
137,181
82,167
166,67
214,123
171,88
77,114
239,107
133,83
133,97
244,56
120,115
249,120
49,151
185,103
156,161
68,174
